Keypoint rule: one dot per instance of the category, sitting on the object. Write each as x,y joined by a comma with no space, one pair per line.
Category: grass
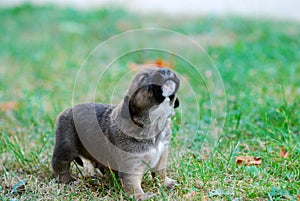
42,49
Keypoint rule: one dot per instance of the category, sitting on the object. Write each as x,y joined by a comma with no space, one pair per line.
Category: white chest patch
161,113
155,153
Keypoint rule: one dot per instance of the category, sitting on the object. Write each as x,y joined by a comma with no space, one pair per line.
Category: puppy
128,138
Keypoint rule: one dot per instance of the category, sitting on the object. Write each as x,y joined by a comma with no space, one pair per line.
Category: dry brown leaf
298,197
248,160
6,106
189,195
161,64
124,25
132,66
283,153
158,62
19,187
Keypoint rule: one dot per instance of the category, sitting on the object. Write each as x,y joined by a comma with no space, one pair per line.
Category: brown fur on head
145,91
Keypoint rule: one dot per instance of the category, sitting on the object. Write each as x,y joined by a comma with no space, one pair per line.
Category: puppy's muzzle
170,86
165,72
165,76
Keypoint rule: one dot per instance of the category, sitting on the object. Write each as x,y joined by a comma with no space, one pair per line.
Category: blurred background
281,9
253,46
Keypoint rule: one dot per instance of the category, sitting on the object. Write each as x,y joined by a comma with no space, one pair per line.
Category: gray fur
144,114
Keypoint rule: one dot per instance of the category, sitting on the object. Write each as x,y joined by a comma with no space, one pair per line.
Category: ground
42,49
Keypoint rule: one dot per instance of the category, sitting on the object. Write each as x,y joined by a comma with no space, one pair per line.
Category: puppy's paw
170,183
144,196
66,179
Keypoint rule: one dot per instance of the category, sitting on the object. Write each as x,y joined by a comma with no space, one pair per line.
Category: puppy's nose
165,71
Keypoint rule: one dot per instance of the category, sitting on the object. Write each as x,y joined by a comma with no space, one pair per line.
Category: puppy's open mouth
168,89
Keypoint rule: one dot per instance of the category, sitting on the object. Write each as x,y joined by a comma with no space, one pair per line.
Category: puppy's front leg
132,183
161,170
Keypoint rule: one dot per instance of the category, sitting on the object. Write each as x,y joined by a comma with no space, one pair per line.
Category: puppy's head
148,89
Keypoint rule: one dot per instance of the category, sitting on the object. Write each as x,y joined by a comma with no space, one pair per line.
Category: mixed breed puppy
138,129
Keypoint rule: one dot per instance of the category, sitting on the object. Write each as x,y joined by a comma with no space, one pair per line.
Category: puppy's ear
176,103
125,113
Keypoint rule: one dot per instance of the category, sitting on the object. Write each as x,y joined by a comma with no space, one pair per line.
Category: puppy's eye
144,78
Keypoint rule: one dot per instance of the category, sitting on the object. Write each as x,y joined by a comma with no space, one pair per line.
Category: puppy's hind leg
61,170
65,150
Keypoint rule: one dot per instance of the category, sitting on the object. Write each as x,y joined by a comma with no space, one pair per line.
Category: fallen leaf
161,64
277,193
133,66
283,153
204,198
6,106
158,62
189,195
19,187
124,25
219,192
298,197
248,160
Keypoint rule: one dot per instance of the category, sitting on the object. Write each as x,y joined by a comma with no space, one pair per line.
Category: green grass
42,49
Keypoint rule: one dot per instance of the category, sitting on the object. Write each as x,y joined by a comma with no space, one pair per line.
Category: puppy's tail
79,161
